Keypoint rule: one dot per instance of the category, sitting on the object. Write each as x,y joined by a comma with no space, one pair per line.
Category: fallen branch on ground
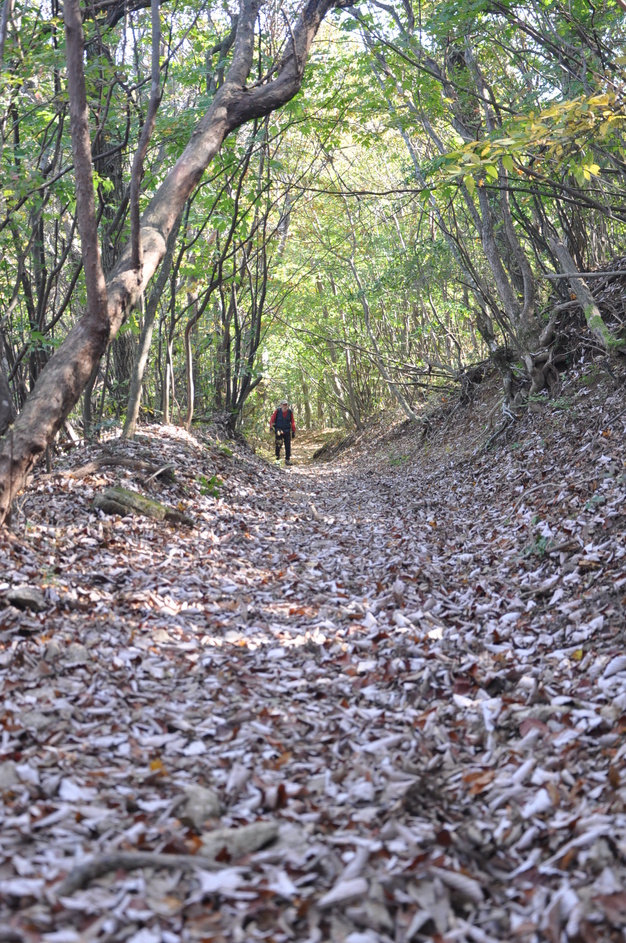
540,487
165,471
82,875
236,842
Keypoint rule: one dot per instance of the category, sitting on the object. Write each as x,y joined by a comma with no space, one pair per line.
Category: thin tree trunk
105,383
168,382
354,407
96,319
191,386
87,404
139,367
97,302
307,406
336,382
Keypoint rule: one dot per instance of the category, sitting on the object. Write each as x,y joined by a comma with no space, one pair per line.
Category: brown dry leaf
416,714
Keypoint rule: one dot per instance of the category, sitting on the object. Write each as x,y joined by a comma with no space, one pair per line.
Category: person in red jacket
283,425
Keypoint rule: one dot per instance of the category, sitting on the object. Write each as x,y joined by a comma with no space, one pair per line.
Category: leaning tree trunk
67,372
584,297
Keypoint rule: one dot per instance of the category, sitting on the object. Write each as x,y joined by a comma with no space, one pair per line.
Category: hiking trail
380,699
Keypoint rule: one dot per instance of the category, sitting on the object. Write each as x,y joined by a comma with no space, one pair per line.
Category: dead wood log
84,874
166,472
587,302
122,501
71,433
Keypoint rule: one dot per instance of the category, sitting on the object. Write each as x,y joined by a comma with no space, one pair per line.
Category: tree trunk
88,425
67,372
354,406
332,351
320,407
7,9
7,410
191,386
307,405
136,379
168,382
123,355
584,297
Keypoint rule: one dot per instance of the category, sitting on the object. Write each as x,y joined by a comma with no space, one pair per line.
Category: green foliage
536,548
210,487
331,250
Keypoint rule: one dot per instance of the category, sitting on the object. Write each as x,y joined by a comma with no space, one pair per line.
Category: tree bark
97,304
307,405
7,409
66,374
139,367
168,379
584,297
189,377
7,9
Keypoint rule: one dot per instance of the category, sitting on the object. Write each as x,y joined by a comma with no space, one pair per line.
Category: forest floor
377,699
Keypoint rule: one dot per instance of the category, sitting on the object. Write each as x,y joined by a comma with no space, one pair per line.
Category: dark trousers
283,436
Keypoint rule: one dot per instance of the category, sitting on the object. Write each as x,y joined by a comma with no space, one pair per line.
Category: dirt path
304,446
378,665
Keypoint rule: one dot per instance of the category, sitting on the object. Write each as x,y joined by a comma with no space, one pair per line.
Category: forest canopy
352,205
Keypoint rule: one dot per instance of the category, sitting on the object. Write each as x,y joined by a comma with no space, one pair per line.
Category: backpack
283,423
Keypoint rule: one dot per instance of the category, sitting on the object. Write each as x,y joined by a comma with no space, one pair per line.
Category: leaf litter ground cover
378,700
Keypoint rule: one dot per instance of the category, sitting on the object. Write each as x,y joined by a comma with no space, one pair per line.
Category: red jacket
273,420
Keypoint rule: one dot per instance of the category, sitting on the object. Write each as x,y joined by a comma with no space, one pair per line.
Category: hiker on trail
283,425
